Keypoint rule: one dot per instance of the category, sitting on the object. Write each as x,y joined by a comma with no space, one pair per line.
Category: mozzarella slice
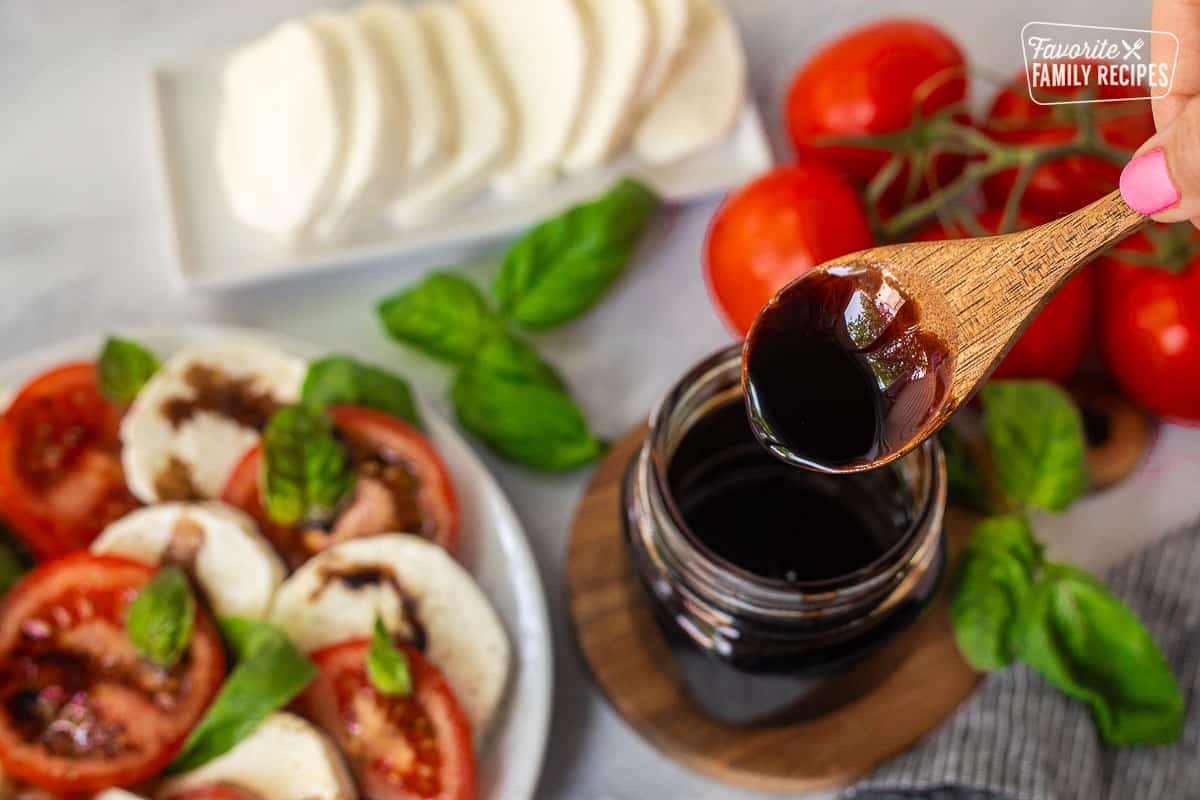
413,586
285,758
619,33
373,160
413,79
279,138
117,794
703,94
669,23
205,446
235,566
482,119
541,49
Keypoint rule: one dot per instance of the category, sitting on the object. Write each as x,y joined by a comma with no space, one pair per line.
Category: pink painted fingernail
1146,185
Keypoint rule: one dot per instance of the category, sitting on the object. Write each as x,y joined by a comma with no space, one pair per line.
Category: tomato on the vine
1151,326
774,229
1055,343
870,81
1072,182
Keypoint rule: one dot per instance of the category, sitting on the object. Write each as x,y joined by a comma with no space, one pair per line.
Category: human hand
1163,179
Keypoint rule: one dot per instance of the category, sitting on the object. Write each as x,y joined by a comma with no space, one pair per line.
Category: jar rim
693,396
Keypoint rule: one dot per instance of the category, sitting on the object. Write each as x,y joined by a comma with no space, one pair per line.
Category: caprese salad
241,585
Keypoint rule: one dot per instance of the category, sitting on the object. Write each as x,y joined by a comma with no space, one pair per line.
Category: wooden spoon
973,297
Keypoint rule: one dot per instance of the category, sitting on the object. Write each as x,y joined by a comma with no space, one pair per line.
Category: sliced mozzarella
619,32
117,794
541,48
703,93
373,160
206,444
279,138
413,78
481,117
322,603
669,22
235,566
285,758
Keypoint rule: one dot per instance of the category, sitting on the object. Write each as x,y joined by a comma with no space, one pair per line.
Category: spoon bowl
862,358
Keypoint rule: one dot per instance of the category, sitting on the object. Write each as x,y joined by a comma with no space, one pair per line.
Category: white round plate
493,549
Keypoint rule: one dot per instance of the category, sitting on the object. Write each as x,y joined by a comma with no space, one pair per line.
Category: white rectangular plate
211,250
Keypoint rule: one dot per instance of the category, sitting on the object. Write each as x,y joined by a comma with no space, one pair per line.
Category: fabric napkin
1018,738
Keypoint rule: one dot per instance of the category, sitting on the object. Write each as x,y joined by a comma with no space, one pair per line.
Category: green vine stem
916,150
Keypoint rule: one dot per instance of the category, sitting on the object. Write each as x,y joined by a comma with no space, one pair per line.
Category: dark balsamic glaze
838,372
775,520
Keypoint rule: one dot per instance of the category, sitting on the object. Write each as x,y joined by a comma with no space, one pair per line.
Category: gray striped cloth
1018,738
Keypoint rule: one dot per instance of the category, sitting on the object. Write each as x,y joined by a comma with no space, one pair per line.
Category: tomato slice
60,467
400,748
79,709
403,486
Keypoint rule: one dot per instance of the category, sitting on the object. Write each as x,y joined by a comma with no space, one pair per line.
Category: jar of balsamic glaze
782,592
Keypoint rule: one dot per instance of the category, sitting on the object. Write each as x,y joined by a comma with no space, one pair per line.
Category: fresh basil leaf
512,359
965,486
562,267
387,665
520,416
1084,640
1038,442
306,470
159,621
994,576
340,380
270,672
14,562
123,369
445,316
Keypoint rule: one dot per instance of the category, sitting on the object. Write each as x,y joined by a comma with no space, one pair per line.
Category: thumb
1163,178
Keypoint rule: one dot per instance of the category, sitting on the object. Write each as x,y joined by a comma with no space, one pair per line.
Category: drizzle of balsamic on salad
358,577
219,393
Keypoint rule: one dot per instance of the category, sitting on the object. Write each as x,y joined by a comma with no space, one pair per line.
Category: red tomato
1064,184
79,709
60,468
399,748
1055,343
1151,330
869,81
775,228
402,485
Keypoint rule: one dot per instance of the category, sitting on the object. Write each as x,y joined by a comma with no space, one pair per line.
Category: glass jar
752,649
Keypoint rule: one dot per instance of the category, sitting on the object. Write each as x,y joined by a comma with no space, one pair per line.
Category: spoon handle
1058,249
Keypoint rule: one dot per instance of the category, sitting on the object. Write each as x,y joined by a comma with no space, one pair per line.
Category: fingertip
1146,183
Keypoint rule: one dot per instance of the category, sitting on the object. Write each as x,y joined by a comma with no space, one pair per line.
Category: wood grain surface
628,659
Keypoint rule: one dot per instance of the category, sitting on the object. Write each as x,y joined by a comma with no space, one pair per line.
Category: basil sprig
340,380
306,472
1038,443
444,316
159,621
387,665
1010,604
515,404
562,267
1085,640
123,369
270,672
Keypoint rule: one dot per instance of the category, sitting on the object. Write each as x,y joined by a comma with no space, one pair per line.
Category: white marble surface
82,248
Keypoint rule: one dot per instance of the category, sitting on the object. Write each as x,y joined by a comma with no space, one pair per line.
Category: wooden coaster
628,659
